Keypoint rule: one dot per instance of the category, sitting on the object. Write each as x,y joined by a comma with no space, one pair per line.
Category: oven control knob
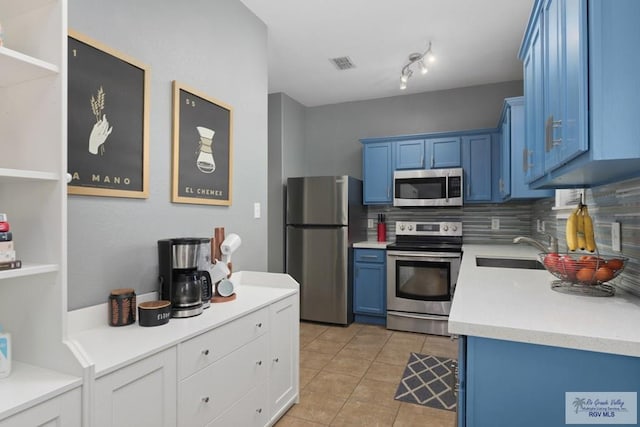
445,227
410,227
402,227
454,228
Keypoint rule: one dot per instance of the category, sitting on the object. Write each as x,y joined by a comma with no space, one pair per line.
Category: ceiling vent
342,63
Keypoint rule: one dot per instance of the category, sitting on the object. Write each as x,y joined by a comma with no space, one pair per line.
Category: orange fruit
586,275
604,274
615,264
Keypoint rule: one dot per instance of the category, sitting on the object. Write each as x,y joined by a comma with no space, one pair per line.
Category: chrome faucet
553,243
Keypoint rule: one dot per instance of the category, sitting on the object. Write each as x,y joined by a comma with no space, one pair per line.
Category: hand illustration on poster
101,129
205,161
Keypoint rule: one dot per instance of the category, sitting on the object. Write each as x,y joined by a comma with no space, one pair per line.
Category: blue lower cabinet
369,286
510,384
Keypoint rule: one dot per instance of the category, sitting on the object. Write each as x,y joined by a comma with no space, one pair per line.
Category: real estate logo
601,407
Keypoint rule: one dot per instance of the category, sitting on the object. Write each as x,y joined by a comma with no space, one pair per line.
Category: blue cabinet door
377,173
519,188
369,283
409,154
443,152
476,165
368,294
534,106
518,384
462,382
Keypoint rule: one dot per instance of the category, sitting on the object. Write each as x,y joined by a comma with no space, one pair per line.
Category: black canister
154,313
122,307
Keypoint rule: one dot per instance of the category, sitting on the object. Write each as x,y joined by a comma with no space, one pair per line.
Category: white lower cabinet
283,373
64,410
139,395
209,392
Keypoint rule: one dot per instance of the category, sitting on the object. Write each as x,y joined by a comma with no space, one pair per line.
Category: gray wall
286,158
220,48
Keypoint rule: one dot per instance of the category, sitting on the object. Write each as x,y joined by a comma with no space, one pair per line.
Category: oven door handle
432,256
419,316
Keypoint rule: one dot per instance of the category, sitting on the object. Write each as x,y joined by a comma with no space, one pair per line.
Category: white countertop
109,348
519,305
371,244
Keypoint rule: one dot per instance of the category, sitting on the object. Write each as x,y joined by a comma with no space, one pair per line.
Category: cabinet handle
432,161
526,165
468,188
205,352
422,160
276,359
259,325
205,399
388,192
259,363
259,410
369,256
547,134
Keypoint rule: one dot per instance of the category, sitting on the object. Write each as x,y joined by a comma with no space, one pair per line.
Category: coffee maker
180,279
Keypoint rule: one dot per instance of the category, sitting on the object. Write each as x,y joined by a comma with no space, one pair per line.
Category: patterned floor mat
428,380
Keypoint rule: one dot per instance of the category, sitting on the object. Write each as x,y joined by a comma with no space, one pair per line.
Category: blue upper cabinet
377,173
534,106
410,154
443,152
476,165
588,129
515,154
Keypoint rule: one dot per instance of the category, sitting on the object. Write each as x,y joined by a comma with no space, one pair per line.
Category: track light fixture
420,58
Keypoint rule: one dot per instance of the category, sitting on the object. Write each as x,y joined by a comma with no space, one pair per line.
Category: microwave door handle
446,190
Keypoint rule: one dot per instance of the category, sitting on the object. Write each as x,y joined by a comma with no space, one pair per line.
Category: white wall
220,48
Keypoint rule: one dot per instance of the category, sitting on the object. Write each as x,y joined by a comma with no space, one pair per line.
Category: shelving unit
33,163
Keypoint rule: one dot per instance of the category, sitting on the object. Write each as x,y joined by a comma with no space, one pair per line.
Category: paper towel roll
230,244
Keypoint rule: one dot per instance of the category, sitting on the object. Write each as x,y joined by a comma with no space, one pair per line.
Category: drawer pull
276,360
259,325
205,352
259,362
259,410
205,399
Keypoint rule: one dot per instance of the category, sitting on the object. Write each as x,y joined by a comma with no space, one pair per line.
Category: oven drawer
370,255
414,322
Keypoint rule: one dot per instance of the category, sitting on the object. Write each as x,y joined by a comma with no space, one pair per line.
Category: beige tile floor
349,376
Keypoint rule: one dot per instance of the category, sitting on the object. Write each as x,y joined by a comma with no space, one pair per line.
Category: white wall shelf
7,175
17,68
29,270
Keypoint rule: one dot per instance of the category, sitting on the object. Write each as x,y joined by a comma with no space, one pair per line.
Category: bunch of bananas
580,230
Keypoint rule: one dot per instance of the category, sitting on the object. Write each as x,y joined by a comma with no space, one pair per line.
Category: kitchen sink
530,264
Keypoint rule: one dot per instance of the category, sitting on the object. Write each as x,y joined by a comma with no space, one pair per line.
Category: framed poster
108,121
202,148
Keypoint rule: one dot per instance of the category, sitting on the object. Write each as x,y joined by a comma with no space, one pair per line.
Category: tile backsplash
619,202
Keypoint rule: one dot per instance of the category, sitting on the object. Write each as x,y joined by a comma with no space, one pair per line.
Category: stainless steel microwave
427,187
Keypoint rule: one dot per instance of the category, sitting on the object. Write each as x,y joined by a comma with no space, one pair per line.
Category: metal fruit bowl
583,269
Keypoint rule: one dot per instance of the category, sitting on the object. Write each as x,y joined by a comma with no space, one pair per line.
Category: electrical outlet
615,237
538,225
370,223
495,223
544,226
256,210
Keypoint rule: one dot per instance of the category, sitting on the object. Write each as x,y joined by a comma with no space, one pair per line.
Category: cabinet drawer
250,411
205,349
370,255
207,394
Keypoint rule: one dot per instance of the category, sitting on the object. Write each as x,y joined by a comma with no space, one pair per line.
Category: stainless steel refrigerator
325,216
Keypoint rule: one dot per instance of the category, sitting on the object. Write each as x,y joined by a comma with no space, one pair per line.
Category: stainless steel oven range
422,270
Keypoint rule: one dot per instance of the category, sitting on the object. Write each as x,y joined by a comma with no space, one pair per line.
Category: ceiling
475,42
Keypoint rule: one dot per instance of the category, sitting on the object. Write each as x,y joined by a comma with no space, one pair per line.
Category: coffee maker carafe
180,279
